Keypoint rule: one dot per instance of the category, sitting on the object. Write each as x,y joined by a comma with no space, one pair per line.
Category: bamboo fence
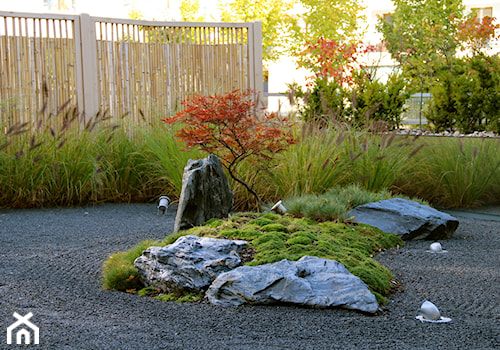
138,70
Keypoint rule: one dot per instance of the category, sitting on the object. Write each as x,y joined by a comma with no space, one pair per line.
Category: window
482,12
387,18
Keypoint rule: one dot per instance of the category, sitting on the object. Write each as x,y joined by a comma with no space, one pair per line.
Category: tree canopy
290,25
422,34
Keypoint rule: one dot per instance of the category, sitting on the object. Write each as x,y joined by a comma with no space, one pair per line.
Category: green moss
307,234
203,231
285,221
166,297
271,216
380,298
240,234
173,237
119,272
299,240
261,221
148,291
180,298
213,223
274,227
242,218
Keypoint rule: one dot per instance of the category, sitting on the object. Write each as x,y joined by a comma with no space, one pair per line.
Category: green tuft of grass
334,204
148,291
119,272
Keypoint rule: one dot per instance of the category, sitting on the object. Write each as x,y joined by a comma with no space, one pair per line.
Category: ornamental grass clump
334,204
312,165
455,172
56,160
60,158
377,161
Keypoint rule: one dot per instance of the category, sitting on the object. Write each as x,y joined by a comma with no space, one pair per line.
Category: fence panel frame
86,86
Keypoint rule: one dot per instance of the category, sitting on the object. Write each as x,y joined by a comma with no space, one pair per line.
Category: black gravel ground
50,261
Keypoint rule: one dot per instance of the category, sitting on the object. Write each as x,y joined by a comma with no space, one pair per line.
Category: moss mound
274,238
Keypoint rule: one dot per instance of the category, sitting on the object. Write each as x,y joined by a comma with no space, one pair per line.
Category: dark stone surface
205,193
407,219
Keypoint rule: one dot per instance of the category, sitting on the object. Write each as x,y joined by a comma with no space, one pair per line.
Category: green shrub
468,97
377,101
324,104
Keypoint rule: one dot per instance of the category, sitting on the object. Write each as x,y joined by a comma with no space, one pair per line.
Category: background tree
337,20
288,26
476,34
422,36
276,17
190,11
467,98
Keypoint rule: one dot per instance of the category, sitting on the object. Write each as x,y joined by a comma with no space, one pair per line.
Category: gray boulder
407,219
190,264
205,193
311,281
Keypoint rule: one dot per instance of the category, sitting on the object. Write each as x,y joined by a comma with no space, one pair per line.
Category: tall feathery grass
79,163
60,159
376,161
313,165
166,157
455,172
41,164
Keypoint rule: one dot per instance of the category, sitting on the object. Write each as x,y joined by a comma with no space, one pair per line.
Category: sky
151,9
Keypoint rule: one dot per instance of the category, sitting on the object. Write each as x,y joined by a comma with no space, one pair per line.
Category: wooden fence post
255,56
86,60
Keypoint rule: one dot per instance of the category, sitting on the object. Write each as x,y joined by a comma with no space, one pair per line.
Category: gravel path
50,262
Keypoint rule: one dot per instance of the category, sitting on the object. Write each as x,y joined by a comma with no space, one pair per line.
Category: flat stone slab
407,219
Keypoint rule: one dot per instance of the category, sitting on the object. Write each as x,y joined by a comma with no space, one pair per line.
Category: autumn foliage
334,60
476,33
229,127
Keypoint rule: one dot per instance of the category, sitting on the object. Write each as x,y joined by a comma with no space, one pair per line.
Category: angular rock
205,193
189,264
311,281
407,219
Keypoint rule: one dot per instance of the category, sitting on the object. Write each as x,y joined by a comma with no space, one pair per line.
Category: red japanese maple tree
229,127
